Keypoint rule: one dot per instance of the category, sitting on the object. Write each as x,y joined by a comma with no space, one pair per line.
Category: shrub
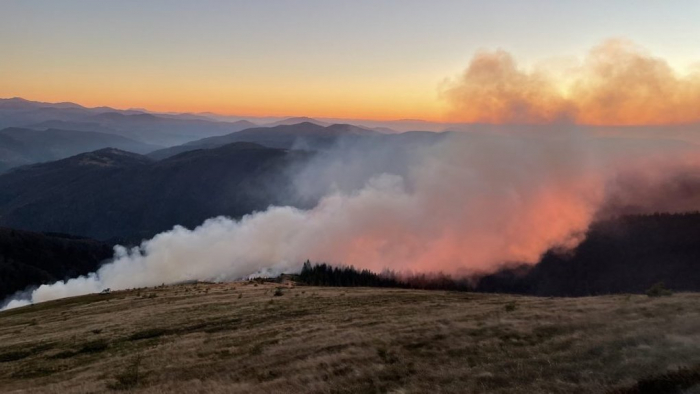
658,290
97,346
511,306
14,356
278,292
147,334
64,354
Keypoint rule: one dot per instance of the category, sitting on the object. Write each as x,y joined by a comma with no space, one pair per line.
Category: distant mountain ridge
151,128
20,146
113,194
299,119
305,135
19,103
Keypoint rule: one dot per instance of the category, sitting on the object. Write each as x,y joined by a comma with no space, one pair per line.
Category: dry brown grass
221,338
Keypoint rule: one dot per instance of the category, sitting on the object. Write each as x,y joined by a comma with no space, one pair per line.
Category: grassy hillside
253,338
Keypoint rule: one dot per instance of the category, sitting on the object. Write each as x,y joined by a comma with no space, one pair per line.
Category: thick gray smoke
456,203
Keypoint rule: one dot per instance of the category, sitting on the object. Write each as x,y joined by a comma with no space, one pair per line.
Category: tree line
627,254
348,276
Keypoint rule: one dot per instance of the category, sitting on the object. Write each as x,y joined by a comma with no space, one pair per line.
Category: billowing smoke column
459,203
616,84
456,203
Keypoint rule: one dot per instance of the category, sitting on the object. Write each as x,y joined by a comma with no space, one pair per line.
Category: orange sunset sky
451,61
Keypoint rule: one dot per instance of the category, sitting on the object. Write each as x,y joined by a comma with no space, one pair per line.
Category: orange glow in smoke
617,84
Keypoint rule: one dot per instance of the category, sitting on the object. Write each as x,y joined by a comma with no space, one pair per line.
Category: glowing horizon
373,61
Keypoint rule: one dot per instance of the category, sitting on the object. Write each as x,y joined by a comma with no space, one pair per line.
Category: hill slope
626,254
155,129
20,146
299,119
165,131
114,194
30,259
305,135
240,337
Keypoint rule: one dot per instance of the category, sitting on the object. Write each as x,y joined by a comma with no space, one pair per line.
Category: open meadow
251,337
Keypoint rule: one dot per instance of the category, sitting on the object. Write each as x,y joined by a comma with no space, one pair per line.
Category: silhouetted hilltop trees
326,275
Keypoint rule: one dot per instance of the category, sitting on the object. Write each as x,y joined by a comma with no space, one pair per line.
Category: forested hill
625,254
30,259
628,254
111,194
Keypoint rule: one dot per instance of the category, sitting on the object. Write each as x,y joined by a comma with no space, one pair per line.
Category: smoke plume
617,83
456,203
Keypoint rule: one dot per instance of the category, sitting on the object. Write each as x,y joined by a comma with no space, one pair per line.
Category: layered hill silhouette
299,119
155,129
305,135
165,131
113,194
19,146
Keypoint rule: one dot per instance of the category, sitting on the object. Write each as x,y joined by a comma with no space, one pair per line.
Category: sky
366,59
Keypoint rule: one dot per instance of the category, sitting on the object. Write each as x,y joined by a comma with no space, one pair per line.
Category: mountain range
114,194
305,135
36,132
156,129
19,146
126,175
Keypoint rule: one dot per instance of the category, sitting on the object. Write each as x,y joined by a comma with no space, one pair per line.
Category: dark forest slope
19,146
626,254
111,194
30,259
304,135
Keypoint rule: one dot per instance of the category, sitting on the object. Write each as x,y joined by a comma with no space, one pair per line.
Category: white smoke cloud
458,204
